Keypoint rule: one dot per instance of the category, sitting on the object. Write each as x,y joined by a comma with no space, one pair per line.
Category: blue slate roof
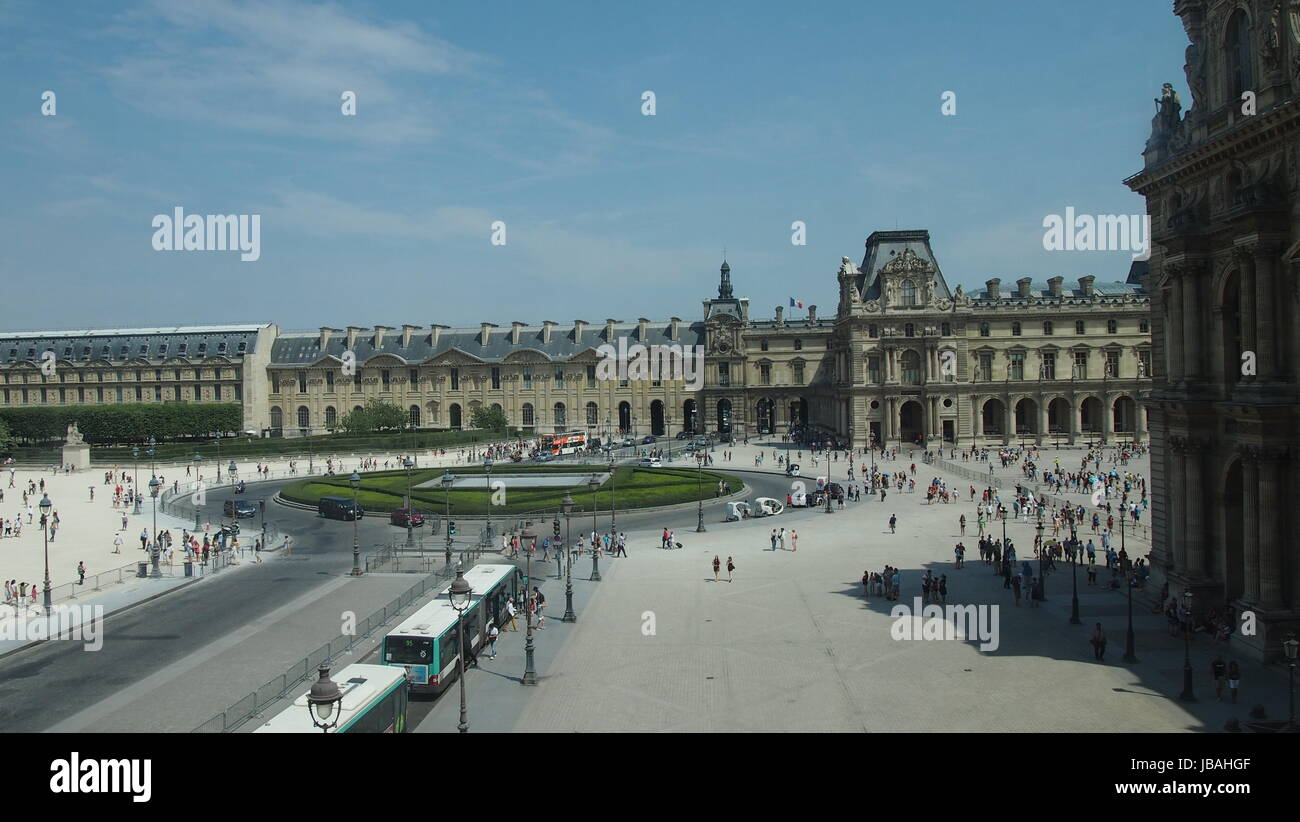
185,342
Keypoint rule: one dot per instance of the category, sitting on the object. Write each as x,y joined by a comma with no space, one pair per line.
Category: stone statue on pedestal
74,436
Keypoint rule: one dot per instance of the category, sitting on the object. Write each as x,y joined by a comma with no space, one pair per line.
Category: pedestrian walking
1015,588
1219,670
731,568
493,633
893,521
962,522
81,573
794,540
117,544
1098,641
717,563
1234,679
510,616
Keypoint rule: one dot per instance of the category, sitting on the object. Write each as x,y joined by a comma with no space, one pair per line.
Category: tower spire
724,285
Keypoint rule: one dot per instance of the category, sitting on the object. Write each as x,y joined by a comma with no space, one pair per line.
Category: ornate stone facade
1221,188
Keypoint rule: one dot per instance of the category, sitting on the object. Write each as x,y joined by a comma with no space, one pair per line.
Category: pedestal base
77,456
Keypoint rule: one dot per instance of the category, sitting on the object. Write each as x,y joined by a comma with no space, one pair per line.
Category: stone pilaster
1250,523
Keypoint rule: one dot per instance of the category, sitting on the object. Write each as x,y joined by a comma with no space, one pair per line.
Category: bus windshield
408,650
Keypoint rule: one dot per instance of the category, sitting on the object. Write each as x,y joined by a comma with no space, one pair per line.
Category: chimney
485,333
812,314
325,333
641,329
547,325
435,333
995,293
353,331
780,315
516,332
1022,286
674,325
1054,285
407,331
609,330
578,326
1085,285
380,331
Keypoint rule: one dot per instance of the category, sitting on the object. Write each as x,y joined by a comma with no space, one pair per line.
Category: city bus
374,702
570,443
424,646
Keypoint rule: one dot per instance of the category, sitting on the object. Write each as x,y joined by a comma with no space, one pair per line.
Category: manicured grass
632,488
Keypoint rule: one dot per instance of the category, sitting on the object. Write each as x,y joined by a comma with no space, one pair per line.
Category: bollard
142,570
189,568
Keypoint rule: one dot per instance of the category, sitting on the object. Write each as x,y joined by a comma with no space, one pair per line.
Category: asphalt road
41,686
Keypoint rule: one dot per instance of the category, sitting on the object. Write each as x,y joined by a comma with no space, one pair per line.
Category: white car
650,462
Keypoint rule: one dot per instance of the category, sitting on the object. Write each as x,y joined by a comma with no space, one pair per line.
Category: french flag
796,303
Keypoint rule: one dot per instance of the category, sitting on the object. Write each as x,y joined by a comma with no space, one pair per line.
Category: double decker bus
570,443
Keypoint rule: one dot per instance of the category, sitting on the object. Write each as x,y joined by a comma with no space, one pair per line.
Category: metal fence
277,688
982,480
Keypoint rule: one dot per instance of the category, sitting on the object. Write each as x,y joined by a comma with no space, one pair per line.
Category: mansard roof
885,247
139,343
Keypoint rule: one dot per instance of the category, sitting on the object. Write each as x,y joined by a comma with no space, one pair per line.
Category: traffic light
451,529
555,527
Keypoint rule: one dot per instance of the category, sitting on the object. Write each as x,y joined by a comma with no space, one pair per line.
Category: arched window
528,415
559,414
593,413
331,417
908,292
1238,67
414,412
453,411
304,417
1047,328
911,368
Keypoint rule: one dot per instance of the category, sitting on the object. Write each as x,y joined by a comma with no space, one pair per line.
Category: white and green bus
425,646
374,702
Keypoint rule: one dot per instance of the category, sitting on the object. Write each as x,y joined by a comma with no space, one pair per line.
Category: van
339,508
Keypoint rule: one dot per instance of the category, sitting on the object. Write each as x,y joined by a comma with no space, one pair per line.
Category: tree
7,440
385,416
488,417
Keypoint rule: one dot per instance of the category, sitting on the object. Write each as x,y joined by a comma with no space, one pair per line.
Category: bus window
408,651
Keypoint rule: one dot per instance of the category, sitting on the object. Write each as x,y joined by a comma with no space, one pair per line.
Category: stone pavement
792,644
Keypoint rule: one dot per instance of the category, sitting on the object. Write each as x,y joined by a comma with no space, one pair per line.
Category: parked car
649,439
399,516
650,462
240,508
792,469
543,458
683,435
339,508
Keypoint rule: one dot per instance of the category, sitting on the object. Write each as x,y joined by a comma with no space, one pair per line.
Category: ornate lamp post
1187,695
135,483
217,441
699,488
1042,555
446,481
154,486
1129,652
355,482
529,537
46,506
566,505
487,467
1290,645
410,511
1074,577
198,463
459,594
594,482
613,479
325,701
827,452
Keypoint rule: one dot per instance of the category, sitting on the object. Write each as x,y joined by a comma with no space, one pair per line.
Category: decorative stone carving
1166,122
871,305
1270,47
74,436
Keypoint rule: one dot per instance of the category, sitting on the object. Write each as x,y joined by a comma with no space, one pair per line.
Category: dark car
628,442
339,508
239,508
649,439
683,435
399,516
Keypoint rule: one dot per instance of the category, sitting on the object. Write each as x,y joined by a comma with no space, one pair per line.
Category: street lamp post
355,482
1074,576
410,511
1129,640
487,467
566,505
46,506
827,452
459,594
1187,695
135,483
613,479
699,488
154,486
595,552
446,481
529,537
1042,555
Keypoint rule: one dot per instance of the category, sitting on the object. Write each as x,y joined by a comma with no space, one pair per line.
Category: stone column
1042,419
1266,307
1249,326
1177,483
1270,543
1075,424
977,418
1194,502
1250,524
1107,418
1191,324
1174,327
1008,427
1140,424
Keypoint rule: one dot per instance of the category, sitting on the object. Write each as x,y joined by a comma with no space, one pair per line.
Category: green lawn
632,488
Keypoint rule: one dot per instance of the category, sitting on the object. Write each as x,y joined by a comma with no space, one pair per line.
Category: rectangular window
559,377
157,393
63,395
1049,365
762,345
176,393
1017,365
1081,365
1112,364
385,379
414,378
239,392
302,382
139,393
356,381
873,370
329,381
724,373
798,373
765,374
528,378
81,395
496,378
591,376
1144,363
1078,327
986,367
455,379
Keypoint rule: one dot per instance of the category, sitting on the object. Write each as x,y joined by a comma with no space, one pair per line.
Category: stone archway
993,418
1027,418
724,416
690,422
1090,421
657,418
911,422
765,412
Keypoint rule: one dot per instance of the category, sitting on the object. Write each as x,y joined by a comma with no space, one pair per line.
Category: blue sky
530,113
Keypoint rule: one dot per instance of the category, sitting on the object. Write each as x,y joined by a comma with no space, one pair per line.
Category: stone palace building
1221,184
904,359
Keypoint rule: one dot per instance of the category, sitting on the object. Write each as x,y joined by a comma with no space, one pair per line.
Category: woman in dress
717,567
